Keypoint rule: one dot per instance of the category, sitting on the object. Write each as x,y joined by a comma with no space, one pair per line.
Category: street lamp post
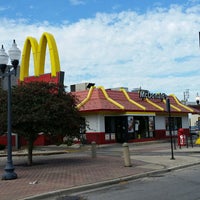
6,71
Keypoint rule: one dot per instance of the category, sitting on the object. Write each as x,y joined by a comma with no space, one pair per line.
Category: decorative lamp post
6,71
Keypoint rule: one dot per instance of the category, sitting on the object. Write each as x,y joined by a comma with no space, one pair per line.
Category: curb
36,154
78,189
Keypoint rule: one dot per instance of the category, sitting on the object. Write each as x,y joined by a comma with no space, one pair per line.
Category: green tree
42,107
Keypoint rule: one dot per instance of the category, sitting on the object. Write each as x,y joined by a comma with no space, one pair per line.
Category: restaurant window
110,124
176,123
130,127
144,127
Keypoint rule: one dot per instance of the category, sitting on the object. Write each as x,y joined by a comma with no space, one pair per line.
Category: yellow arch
39,54
30,42
45,39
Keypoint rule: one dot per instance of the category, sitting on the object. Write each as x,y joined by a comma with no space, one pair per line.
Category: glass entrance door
121,129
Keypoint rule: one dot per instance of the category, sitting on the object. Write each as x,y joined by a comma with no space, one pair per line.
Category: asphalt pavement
62,170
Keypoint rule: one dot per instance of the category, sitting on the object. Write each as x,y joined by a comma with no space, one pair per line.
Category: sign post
170,127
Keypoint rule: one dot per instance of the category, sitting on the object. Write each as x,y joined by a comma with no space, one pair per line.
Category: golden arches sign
39,54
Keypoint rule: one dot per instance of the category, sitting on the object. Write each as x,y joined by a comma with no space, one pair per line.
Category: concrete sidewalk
60,170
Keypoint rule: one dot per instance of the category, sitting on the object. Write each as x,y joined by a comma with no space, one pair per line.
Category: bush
69,141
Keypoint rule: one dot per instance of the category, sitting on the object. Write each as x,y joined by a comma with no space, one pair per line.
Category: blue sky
114,43
57,12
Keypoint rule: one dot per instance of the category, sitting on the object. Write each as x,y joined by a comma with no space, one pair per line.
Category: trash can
181,137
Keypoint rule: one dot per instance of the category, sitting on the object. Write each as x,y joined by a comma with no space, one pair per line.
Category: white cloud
158,50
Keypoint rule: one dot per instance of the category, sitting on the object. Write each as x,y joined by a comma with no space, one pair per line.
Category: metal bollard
127,160
93,149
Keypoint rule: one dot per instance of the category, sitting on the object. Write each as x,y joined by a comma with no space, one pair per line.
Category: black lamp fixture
6,71
197,99
89,85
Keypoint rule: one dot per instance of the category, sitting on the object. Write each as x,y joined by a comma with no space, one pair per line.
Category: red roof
99,99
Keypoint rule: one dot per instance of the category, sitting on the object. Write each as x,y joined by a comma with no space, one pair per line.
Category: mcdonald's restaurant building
112,115
117,115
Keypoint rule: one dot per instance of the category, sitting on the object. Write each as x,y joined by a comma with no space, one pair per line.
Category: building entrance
121,129
130,127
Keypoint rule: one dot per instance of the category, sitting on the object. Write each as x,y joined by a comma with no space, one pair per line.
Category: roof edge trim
131,100
174,107
87,98
109,99
155,105
180,104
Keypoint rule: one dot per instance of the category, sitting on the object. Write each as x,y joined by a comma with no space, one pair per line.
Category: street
181,184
